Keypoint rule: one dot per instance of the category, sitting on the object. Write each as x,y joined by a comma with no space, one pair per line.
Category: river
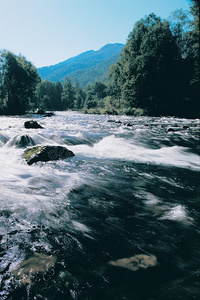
119,220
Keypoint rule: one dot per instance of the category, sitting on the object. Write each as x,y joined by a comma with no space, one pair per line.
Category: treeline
156,74
158,70
97,98
18,81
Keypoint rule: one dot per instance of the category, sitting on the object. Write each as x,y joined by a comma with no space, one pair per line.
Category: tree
194,37
49,95
180,23
194,10
95,94
58,95
185,29
148,72
18,80
79,97
68,94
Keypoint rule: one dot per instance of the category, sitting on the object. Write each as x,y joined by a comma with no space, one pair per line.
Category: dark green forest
157,74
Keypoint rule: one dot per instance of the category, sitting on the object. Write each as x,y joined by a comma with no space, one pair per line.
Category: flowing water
119,220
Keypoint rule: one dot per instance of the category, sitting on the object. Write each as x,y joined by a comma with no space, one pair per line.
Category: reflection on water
120,220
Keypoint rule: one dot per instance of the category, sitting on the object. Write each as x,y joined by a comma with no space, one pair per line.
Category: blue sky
47,32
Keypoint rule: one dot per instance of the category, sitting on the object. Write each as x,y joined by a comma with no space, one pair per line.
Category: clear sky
47,32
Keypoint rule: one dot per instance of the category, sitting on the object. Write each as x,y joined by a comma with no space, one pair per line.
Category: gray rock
46,153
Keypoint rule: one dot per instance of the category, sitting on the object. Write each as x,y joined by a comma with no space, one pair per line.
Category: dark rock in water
170,130
128,124
186,127
46,153
49,114
40,111
32,124
21,141
173,129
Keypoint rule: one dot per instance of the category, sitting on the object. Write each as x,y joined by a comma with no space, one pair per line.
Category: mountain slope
87,67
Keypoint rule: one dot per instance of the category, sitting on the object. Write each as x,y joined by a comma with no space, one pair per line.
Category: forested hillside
86,67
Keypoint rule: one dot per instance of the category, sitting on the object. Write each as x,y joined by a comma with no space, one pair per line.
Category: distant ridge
87,67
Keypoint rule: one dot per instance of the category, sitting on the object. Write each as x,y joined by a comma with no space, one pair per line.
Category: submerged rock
38,263
128,124
3,139
174,129
49,114
40,111
46,153
170,129
32,124
136,262
21,141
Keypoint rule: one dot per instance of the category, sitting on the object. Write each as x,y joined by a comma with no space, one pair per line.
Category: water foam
112,147
177,213
27,139
33,188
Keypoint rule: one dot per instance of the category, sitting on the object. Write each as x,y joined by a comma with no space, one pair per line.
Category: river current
119,220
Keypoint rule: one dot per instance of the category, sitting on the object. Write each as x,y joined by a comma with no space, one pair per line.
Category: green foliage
48,95
147,73
18,80
150,73
194,35
68,94
79,97
194,10
180,24
94,94
185,28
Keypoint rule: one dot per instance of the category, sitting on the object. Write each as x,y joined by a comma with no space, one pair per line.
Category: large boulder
46,153
32,124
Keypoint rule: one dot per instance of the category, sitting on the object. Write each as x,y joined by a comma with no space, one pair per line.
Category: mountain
87,67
